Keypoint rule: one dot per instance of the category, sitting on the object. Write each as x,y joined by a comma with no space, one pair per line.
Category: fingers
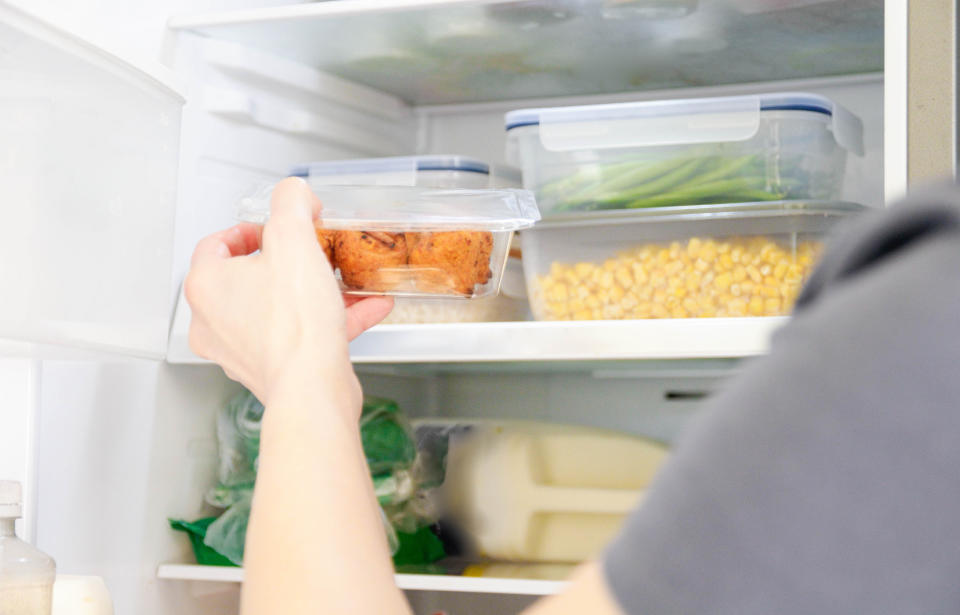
366,312
293,208
237,240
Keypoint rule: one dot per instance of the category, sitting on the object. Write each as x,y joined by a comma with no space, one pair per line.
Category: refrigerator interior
125,444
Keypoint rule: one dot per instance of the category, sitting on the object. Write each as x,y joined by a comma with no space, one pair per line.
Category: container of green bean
735,149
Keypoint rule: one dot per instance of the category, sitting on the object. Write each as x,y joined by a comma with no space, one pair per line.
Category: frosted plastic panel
88,161
436,52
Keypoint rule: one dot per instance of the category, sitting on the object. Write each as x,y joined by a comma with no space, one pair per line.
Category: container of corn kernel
745,259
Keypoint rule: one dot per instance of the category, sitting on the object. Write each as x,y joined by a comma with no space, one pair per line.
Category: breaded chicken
450,262
370,260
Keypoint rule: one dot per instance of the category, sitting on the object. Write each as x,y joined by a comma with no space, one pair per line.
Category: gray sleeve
826,477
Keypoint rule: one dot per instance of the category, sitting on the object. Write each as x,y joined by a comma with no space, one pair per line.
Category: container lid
674,122
11,498
396,164
402,208
683,213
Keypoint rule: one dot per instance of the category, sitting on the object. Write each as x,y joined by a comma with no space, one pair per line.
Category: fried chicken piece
326,239
450,262
369,260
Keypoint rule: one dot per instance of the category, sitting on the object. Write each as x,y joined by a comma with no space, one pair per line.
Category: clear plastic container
416,242
683,262
423,171
26,574
768,147
509,306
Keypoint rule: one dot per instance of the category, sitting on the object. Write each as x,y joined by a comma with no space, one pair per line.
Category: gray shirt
826,477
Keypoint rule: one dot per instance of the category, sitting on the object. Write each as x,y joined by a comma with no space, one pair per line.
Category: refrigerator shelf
429,52
540,342
417,582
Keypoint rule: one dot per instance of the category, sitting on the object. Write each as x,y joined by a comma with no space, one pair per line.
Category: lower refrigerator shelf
417,582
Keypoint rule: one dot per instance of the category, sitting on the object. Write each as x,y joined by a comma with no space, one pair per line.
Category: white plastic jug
538,492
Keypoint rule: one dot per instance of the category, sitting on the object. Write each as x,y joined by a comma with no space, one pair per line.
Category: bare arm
275,321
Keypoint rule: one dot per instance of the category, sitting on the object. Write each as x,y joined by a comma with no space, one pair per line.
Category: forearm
313,481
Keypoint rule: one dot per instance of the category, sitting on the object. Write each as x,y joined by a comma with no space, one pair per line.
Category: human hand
265,315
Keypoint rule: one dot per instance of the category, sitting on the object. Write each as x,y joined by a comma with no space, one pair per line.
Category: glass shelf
417,582
454,51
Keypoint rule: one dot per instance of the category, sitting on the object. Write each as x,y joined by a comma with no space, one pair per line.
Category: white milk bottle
26,574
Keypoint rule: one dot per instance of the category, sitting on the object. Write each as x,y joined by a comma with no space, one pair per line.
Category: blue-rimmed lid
395,164
669,122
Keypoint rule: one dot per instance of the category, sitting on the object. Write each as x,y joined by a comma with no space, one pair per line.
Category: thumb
293,209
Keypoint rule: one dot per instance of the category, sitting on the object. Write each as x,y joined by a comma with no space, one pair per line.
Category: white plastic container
414,242
540,492
88,163
768,147
26,574
678,262
423,171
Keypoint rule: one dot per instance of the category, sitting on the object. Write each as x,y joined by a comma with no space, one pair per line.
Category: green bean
727,168
664,183
713,191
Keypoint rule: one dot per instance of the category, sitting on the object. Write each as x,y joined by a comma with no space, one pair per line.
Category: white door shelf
417,582
430,52
617,340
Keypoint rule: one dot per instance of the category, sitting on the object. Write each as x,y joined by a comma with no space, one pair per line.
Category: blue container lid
768,102
391,165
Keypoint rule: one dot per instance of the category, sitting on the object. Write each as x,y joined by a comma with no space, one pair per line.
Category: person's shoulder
918,229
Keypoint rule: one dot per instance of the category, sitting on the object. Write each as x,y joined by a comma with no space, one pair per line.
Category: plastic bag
402,478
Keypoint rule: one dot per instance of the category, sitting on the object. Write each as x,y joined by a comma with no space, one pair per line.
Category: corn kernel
583,269
559,292
737,307
690,305
780,270
725,260
693,247
756,306
678,312
673,268
754,274
709,250
723,281
772,306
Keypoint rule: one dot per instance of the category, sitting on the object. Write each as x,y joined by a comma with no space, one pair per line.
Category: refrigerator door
89,149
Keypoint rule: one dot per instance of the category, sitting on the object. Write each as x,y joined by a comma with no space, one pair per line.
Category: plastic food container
510,305
424,171
695,261
769,147
417,242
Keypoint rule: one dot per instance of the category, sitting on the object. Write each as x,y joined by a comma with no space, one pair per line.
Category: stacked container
686,208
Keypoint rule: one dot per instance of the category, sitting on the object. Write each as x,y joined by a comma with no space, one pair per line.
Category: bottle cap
11,497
